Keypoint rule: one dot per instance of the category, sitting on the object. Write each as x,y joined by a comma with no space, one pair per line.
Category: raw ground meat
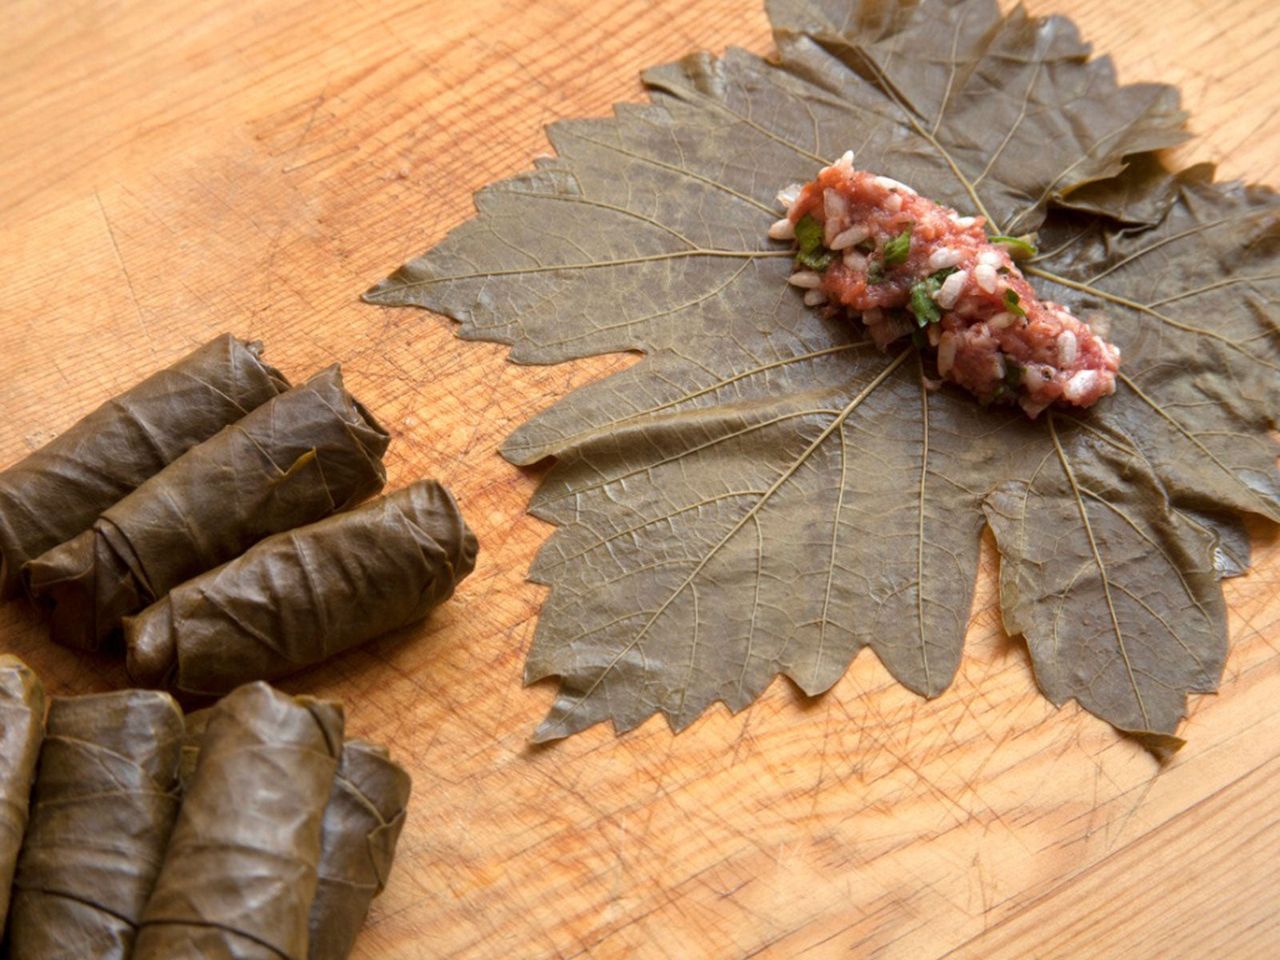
991,333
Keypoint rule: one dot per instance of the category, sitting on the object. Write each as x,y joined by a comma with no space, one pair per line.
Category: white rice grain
946,353
805,279
1034,377
963,222
845,163
851,237
835,207
855,261
813,298
893,202
789,195
783,229
1001,320
951,289
1066,348
989,258
944,257
986,277
890,184
1080,384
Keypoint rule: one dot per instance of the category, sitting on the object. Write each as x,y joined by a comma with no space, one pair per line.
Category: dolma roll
196,723
21,730
301,596
361,826
104,803
239,875
304,455
58,491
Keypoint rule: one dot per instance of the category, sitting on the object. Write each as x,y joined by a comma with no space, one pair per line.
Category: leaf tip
377,293
1162,746
548,731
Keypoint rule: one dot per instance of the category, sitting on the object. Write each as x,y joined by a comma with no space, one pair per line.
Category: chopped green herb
1012,373
897,249
875,273
1012,302
808,233
813,255
1020,248
816,261
922,305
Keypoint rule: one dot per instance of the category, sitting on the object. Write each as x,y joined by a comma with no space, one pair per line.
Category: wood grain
169,170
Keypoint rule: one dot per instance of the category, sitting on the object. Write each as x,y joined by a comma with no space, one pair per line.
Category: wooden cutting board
175,168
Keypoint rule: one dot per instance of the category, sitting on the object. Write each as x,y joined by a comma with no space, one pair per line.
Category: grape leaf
765,492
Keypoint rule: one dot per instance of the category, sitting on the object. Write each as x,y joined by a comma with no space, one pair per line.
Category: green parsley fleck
1020,248
808,233
897,249
922,304
813,255
816,261
1012,302
1012,373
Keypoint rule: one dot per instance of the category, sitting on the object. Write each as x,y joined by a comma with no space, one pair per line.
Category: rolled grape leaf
304,595
304,455
766,493
197,721
58,491
240,872
362,823
104,804
21,730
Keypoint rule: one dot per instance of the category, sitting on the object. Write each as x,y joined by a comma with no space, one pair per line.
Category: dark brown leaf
21,730
240,871
765,493
59,490
103,806
362,823
307,453
302,596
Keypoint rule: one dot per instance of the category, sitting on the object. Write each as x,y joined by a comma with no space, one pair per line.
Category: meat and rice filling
911,267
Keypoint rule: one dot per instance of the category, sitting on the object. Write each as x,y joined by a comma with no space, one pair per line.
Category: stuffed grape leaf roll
241,868
305,595
104,803
361,826
21,730
196,723
310,452
60,489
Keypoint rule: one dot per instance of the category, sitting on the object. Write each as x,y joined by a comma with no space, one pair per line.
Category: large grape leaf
765,492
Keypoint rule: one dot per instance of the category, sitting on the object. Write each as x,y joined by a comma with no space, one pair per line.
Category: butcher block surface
173,169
